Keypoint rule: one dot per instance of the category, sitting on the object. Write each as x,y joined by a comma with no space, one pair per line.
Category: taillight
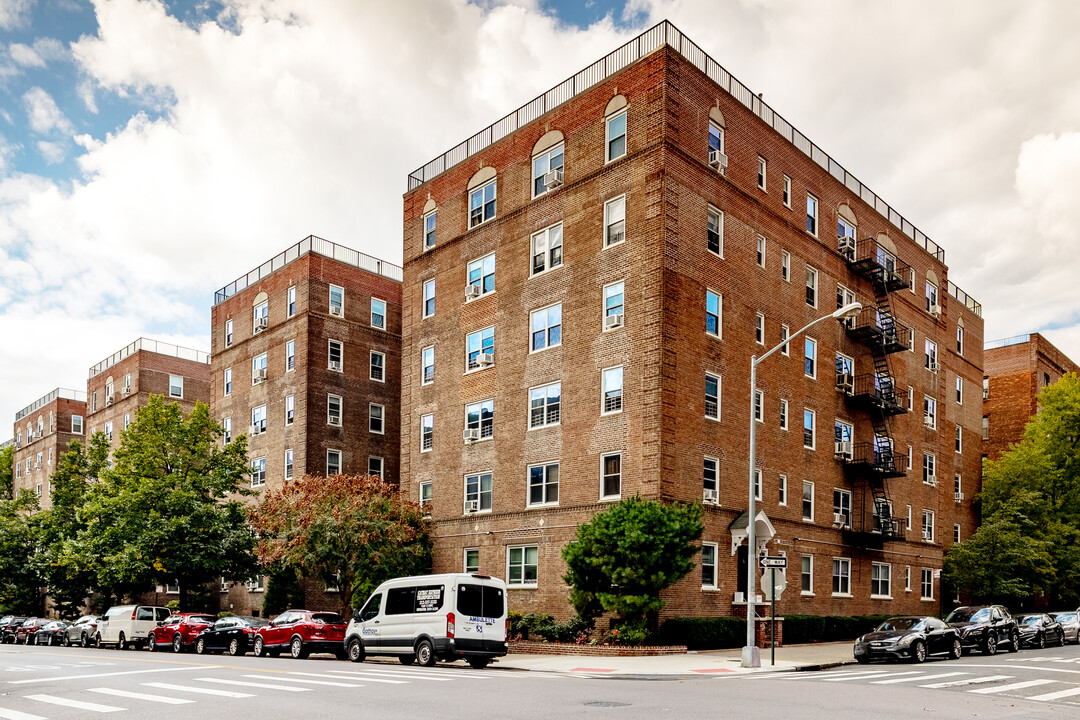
450,625
133,613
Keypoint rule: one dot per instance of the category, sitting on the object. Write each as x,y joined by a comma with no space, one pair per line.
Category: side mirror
160,623
356,615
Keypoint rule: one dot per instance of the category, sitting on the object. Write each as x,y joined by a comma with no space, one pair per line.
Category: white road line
1067,660
92,707
438,670
298,680
873,676
199,690
112,674
969,681
1013,686
16,715
1056,695
366,679
916,679
242,683
380,673
141,696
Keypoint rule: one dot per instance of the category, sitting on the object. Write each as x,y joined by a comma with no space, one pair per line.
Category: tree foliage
628,554
7,472
349,531
19,584
999,563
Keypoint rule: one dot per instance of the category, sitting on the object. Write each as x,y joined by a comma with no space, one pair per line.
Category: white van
129,625
432,617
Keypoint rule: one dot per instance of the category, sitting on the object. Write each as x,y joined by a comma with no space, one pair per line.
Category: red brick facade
43,431
662,433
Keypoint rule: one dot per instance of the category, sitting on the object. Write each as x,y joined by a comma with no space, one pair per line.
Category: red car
27,632
302,632
178,631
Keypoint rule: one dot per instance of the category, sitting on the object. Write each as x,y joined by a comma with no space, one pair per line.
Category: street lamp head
848,311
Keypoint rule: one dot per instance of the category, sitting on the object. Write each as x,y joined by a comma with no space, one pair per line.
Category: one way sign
773,562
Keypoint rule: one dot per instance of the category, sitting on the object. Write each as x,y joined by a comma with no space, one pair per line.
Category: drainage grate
606,703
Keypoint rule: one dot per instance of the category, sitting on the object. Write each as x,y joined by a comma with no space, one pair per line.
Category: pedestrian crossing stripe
1013,686
1056,695
918,678
199,690
243,683
78,704
968,681
141,696
366,679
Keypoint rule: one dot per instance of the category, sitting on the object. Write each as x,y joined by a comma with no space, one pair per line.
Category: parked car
234,635
909,638
178,631
8,626
302,632
27,632
82,631
450,617
985,628
128,625
1039,629
51,633
1070,623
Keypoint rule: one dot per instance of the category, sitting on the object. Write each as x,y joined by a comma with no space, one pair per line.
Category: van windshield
480,601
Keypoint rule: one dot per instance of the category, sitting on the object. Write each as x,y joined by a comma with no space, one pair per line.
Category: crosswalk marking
875,676
298,680
1056,695
16,715
969,681
199,690
79,704
380,673
1013,686
366,679
1066,660
141,696
253,684
917,678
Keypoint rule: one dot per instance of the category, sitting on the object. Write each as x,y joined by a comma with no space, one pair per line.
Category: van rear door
481,607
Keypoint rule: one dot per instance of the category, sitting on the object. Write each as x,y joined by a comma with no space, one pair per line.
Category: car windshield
1069,617
968,614
900,624
1030,619
327,618
255,621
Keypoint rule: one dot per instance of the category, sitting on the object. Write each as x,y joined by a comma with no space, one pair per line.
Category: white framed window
931,358
290,409
426,495
785,266
757,484
959,390
228,332
714,232
176,386
612,389
811,286
710,480
986,427
258,369
959,339
810,358
260,317
258,472
929,468
959,439
616,136
958,486
378,313
427,432
844,365
544,405
712,396
716,137
430,222
258,420
76,425
785,333
482,204
481,342
288,464
522,566
841,576
781,495
615,221
926,586
908,519
337,301
471,560
759,401
842,504
333,462
376,418
881,581
907,578
614,299
290,356
377,367
809,431
761,251
811,214
808,501
546,327
478,492
709,553
290,301
549,161
480,416
762,165
806,573
333,410
714,311
257,584
783,414
931,297
429,298
910,399
335,355
930,412
547,249
375,466
543,484
759,328
427,365
843,431
956,533
610,476
226,427
928,526
786,196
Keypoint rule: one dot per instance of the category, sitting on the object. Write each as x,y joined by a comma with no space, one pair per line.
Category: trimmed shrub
800,629
709,633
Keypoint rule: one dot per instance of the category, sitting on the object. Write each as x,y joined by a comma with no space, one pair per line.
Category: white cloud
25,55
15,13
52,152
43,114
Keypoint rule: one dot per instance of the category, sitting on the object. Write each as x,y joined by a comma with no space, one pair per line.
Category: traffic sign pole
772,641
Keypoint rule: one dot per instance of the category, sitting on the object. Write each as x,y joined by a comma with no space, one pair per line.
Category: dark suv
985,628
8,625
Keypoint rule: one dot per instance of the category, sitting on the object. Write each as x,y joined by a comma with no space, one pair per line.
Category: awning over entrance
763,529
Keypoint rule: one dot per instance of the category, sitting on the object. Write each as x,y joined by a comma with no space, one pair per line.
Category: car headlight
905,641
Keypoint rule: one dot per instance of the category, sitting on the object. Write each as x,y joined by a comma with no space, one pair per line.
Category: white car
448,617
1070,623
129,625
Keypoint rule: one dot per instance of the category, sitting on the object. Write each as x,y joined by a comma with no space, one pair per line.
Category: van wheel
151,643
425,654
356,650
122,643
478,663
297,649
406,659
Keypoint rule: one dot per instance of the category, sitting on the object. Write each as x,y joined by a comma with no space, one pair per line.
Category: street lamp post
750,656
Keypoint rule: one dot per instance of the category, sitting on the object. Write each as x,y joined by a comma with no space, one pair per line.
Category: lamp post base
751,658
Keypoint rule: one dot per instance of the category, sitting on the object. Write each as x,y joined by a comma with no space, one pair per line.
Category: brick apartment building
585,283
122,383
307,363
43,431
1016,370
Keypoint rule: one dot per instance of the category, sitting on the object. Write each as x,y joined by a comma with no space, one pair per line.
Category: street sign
773,562
773,581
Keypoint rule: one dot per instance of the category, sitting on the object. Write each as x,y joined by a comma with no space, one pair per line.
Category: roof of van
442,577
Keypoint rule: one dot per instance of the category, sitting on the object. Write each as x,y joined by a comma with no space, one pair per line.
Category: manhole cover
606,703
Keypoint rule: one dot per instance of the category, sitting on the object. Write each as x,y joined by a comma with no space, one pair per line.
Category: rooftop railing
58,393
656,37
1005,342
969,302
315,245
154,346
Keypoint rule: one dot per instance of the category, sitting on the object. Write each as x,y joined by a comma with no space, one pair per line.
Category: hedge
715,633
830,628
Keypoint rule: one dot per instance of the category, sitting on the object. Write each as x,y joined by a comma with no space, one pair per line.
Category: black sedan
985,628
233,635
8,626
1039,630
911,637
51,633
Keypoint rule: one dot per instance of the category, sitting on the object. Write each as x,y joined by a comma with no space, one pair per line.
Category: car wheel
84,640
31,639
259,649
151,643
234,647
200,646
478,663
122,643
1040,641
406,659
297,649
1014,642
356,650
67,640
177,643
990,646
918,651
425,654
862,659
1061,638
957,649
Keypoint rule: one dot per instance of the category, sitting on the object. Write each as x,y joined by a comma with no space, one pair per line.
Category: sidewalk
706,662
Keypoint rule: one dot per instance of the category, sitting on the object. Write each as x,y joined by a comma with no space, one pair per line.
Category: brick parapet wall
530,647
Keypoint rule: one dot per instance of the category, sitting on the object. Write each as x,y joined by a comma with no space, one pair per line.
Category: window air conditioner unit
553,179
472,291
335,365
958,496
927,536
336,310
613,321
108,400
710,496
253,430
718,160
485,359
931,480
261,324
125,390
844,449
260,375
472,505
846,245
935,310
37,466
471,434
334,420
932,367
928,421
845,381
840,519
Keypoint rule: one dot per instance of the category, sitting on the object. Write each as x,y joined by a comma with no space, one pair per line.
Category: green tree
999,563
19,583
349,531
625,556
7,473
167,511
283,591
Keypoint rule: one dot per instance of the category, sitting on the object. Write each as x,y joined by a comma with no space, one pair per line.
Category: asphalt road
59,683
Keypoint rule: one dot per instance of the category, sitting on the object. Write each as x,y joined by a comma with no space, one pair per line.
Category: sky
152,152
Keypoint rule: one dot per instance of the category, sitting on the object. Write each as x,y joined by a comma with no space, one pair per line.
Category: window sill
541,506
522,587
466,513
489,438
707,588
424,452
474,370
714,419
926,599
613,412
616,244
842,595
546,347
545,271
542,427
376,380
481,296
808,520
804,593
610,498
881,597
714,336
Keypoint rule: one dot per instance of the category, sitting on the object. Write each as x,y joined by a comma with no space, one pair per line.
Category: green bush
562,632
529,624
709,633
800,629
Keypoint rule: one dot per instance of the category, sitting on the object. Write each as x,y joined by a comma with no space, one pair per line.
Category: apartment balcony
877,328
873,392
876,263
870,459
872,531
